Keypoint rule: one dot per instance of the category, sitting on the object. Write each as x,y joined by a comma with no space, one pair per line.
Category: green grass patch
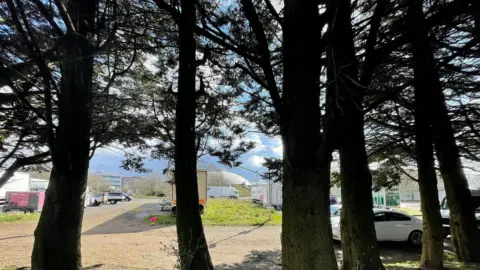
15,216
228,212
9,268
410,211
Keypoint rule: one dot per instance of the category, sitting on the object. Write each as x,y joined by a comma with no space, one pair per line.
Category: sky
109,159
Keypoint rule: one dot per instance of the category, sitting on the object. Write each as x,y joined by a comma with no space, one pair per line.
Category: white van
222,192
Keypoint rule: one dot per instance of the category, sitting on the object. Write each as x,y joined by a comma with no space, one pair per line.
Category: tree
192,243
152,185
51,96
462,217
432,246
306,162
359,245
97,184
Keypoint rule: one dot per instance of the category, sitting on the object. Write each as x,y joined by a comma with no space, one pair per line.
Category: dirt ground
116,237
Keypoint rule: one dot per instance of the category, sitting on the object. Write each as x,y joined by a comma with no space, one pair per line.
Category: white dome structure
221,178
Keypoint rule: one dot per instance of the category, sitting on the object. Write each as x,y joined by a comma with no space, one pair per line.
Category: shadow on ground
132,221
390,252
266,259
214,244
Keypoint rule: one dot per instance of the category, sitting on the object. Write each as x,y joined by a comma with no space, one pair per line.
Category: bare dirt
116,237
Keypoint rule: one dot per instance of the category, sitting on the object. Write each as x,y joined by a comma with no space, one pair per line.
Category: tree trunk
359,242
57,236
192,244
432,248
306,231
465,235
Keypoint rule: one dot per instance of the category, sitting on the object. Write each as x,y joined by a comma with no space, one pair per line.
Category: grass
449,263
225,212
410,211
15,216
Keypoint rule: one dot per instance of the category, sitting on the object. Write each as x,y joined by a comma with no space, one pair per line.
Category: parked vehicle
445,212
114,197
268,195
259,193
390,226
202,192
19,182
97,199
127,197
26,201
222,192
335,209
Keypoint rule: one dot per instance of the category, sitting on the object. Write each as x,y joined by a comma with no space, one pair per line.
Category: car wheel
415,238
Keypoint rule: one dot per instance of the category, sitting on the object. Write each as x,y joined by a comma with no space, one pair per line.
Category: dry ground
116,237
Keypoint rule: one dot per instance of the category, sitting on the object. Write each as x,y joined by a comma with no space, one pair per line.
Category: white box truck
268,195
222,192
19,182
202,192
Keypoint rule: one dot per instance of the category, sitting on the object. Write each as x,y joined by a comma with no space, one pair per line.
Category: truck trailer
26,201
268,195
222,192
202,192
19,182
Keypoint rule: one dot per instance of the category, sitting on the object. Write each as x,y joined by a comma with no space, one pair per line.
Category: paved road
148,205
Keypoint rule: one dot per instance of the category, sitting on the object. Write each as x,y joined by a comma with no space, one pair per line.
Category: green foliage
274,169
226,212
387,175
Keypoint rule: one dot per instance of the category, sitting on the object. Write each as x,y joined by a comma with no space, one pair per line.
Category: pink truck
26,201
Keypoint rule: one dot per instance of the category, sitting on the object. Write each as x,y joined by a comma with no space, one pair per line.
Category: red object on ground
24,201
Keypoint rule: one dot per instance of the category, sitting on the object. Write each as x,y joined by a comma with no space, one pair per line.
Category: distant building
114,179
224,178
38,184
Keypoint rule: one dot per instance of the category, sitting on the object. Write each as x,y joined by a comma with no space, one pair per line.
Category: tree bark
359,242
192,244
57,236
432,248
306,231
465,235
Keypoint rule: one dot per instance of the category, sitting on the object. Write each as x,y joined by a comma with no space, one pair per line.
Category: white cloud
254,137
277,147
255,161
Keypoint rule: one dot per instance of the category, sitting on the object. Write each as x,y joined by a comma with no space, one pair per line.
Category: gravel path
116,237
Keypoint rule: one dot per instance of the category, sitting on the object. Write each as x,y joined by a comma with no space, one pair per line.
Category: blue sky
109,159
